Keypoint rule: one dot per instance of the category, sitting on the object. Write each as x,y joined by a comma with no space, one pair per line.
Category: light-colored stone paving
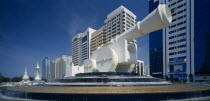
110,90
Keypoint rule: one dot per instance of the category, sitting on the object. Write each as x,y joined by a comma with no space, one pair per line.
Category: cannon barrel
160,18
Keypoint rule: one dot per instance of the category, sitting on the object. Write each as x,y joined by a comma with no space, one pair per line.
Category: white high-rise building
76,49
118,21
186,40
69,68
81,46
65,64
58,68
176,39
86,39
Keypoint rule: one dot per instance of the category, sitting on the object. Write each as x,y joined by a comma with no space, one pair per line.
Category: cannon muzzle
160,18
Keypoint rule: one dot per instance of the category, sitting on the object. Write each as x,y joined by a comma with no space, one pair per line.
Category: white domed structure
37,74
25,78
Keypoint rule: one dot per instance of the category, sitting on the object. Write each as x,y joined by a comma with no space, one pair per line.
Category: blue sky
33,29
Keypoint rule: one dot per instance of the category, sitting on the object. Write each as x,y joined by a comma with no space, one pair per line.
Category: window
182,28
171,53
180,12
171,42
181,46
180,6
173,26
114,28
179,1
181,40
181,52
173,4
174,14
180,23
84,39
171,48
113,25
171,32
171,37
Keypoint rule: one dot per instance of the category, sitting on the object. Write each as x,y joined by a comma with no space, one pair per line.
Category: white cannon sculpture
120,54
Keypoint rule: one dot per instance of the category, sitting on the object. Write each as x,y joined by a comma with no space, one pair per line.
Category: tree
1,78
16,79
4,79
31,78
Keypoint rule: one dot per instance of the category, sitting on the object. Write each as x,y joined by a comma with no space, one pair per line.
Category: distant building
62,67
156,62
81,46
65,64
69,64
58,68
118,21
156,45
52,70
147,71
45,68
139,68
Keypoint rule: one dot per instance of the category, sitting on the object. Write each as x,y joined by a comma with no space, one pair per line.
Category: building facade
52,70
97,39
76,49
85,44
58,68
185,40
117,22
156,61
147,71
156,45
139,68
46,68
81,46
65,64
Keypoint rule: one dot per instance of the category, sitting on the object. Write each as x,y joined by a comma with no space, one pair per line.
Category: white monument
25,78
37,74
120,54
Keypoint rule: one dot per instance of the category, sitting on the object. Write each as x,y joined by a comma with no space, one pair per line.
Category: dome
25,77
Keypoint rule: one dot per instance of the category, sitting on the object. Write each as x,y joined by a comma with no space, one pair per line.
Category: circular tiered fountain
109,86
